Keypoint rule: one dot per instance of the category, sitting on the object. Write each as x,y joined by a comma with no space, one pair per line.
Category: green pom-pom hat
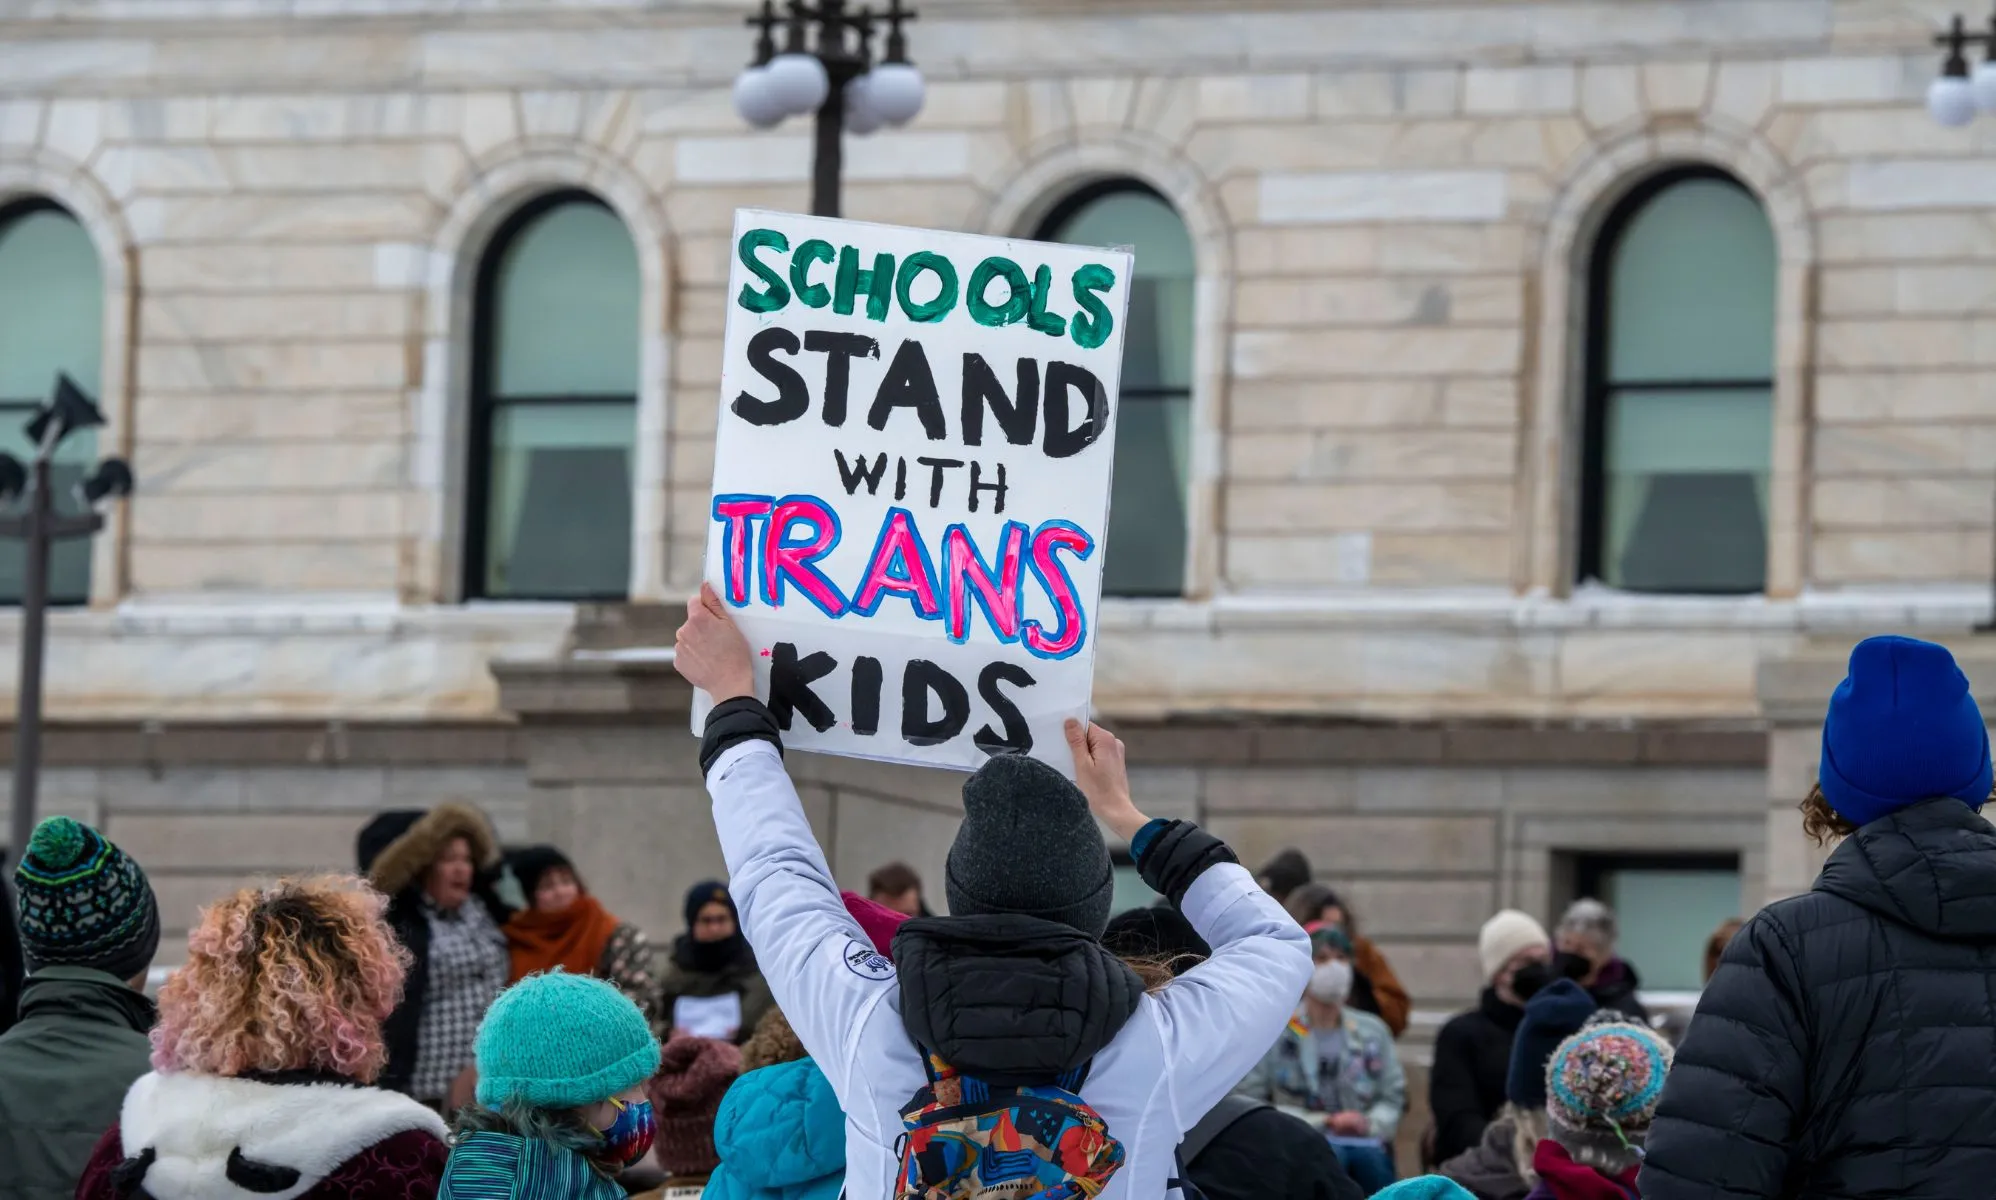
58,842
84,902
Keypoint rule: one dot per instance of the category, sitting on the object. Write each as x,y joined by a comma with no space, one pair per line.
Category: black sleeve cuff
1178,856
732,722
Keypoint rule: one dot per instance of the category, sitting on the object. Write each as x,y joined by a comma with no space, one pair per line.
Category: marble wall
1391,207
1388,206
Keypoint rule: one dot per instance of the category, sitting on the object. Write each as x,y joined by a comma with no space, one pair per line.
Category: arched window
1146,541
1680,390
51,322
554,406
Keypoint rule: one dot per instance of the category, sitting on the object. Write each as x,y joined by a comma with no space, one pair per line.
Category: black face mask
1568,965
1532,978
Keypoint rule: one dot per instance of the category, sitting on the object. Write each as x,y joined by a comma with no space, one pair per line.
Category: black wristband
1177,856
732,722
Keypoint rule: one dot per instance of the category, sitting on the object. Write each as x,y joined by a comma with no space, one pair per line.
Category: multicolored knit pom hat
84,902
1602,1087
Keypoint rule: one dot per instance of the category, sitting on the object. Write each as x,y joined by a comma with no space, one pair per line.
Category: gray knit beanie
1029,846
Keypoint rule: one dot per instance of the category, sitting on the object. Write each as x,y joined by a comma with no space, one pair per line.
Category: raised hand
1101,775
710,650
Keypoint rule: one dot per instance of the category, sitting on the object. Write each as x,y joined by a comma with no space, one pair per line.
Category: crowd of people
461,1020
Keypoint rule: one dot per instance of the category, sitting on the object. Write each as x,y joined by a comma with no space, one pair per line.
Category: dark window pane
1680,408
1145,545
1684,493
1693,292
567,323
556,407
51,321
559,516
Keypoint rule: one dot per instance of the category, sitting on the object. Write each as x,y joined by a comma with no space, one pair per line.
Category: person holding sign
1008,1015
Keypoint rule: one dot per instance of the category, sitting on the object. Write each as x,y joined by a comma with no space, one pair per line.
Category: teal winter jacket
780,1136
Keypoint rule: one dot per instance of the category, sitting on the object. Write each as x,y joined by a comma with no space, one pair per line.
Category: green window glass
1681,390
51,322
555,406
1666,907
1145,546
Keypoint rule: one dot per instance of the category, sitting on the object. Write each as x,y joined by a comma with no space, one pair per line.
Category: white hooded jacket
1180,1054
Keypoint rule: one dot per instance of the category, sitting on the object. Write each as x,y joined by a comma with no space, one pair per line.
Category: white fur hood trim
193,1123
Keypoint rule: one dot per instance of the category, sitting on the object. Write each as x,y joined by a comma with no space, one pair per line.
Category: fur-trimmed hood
396,847
200,1137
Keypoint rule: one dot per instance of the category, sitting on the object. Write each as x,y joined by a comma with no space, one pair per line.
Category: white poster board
911,483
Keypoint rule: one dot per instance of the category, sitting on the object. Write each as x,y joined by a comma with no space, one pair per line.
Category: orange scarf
572,939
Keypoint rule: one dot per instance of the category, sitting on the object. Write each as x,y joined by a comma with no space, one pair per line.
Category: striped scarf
502,1166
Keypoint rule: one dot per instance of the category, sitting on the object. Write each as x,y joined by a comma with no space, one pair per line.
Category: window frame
484,406
1070,206
12,406
1596,387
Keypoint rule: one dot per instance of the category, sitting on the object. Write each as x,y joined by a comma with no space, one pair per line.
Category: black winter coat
412,929
1846,1047
1466,1083
13,970
1270,1155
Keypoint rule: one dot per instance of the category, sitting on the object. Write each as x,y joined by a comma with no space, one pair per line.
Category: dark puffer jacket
1466,1084
1843,1049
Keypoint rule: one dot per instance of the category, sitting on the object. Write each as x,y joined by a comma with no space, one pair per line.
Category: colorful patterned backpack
967,1140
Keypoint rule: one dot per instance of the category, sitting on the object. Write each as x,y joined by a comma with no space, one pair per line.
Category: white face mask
1330,983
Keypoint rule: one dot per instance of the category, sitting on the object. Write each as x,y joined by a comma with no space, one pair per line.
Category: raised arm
1219,1018
817,961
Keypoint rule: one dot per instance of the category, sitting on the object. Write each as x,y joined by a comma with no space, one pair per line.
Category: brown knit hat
693,1075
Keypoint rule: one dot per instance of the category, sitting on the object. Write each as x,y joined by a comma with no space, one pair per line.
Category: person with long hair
268,1046
1375,988
564,926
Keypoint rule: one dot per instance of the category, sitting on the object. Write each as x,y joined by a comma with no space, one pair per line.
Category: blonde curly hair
295,976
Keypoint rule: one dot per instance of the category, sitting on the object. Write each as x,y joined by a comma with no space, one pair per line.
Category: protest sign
911,483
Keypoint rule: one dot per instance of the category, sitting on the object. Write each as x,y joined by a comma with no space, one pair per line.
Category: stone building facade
1405,415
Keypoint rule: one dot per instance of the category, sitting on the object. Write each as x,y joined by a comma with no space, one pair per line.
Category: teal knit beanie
562,1041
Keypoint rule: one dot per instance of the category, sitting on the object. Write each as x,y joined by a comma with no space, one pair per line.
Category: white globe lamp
895,91
861,117
800,81
1951,101
1983,84
756,99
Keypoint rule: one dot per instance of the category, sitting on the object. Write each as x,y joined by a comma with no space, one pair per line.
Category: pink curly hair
295,976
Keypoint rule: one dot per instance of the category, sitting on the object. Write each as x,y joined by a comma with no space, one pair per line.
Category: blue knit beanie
1557,1012
562,1041
1902,728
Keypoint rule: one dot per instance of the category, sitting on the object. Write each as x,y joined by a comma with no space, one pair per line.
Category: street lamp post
1957,95
38,526
1953,100
826,66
